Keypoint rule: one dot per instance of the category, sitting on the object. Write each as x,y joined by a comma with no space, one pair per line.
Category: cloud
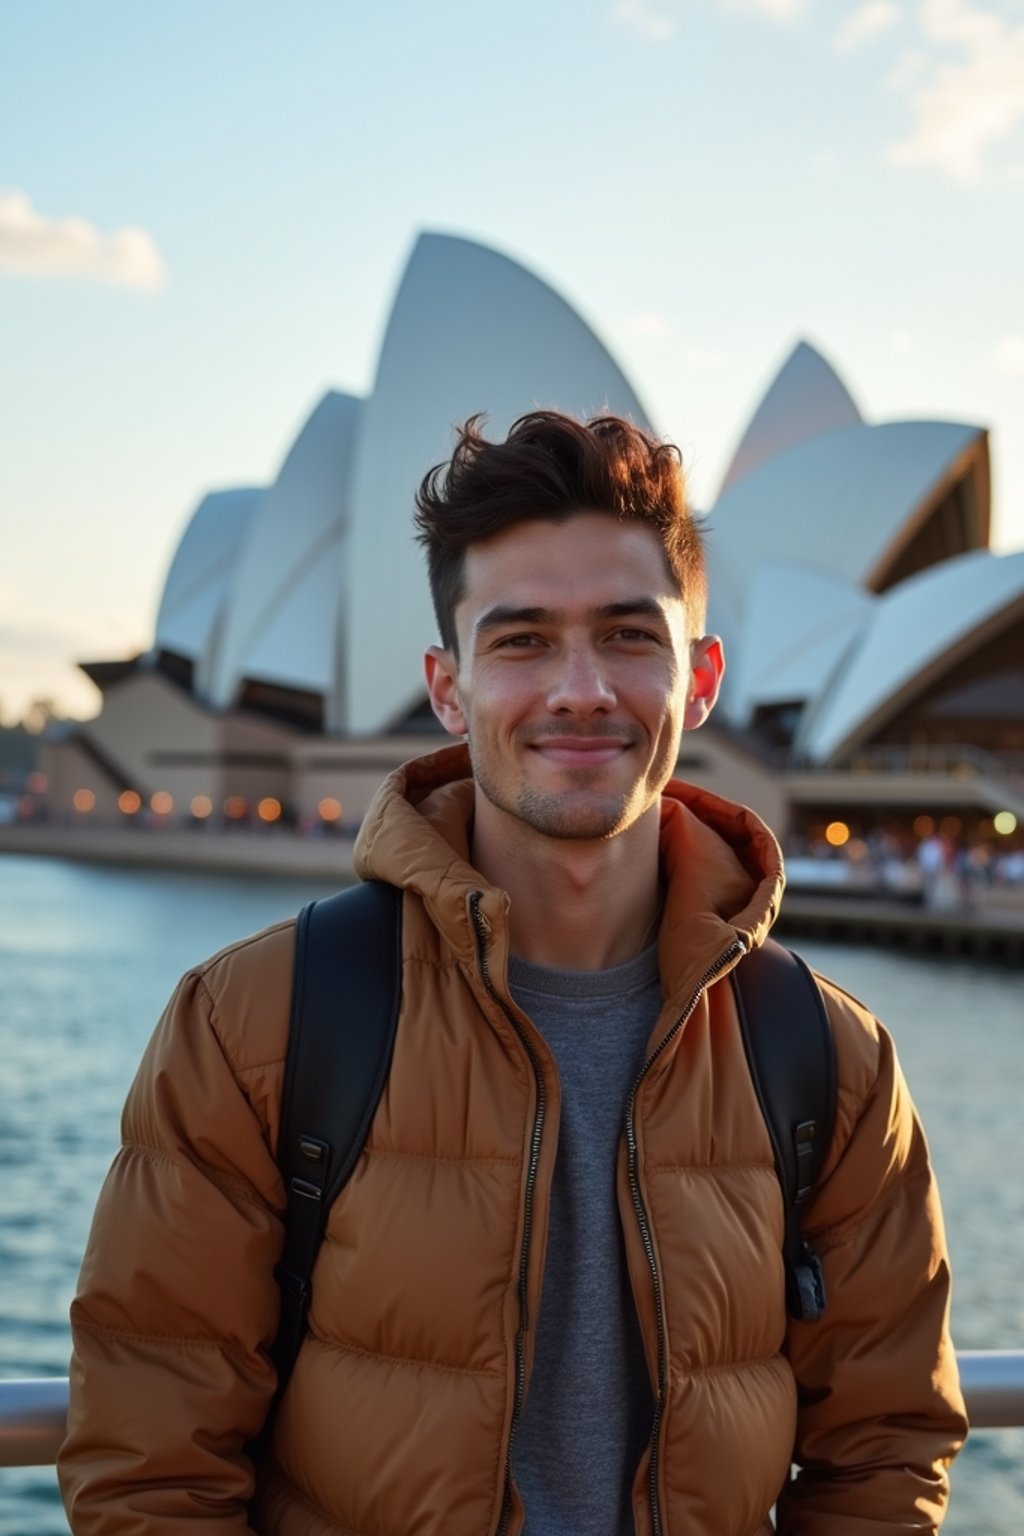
28,625
773,10
966,88
657,23
642,17
50,637
868,21
32,244
1007,356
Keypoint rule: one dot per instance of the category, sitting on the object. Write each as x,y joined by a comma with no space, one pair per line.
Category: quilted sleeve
177,1304
880,1411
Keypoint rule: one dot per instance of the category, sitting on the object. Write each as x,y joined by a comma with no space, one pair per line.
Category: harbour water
88,956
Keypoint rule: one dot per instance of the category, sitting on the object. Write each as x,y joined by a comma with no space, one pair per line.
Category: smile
577,751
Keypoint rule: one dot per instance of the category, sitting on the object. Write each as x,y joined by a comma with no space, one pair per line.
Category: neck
574,906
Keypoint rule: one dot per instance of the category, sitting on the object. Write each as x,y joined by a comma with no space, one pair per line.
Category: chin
574,817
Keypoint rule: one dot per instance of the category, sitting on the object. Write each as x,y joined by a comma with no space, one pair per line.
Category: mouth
580,751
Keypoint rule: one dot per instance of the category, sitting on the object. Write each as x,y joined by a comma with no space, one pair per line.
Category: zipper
531,1180
643,1221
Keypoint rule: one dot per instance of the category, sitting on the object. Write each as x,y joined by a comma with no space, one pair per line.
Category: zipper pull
477,916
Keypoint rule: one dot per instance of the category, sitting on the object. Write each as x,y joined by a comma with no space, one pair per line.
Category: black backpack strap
791,1054
346,996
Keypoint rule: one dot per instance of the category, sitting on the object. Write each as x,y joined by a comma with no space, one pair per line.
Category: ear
442,674
707,667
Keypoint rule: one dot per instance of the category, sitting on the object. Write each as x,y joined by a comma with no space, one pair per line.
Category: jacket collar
722,866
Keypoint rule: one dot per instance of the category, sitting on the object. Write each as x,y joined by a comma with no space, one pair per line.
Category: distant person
937,859
551,1296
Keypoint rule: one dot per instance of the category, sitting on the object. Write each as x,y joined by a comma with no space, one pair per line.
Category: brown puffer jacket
398,1417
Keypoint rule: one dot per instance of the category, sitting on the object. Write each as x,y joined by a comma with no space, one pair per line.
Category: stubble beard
573,815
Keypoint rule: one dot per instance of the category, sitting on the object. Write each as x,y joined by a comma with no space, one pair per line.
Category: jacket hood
721,864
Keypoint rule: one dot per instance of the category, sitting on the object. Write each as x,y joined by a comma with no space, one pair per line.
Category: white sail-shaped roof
916,629
806,397
470,331
201,571
841,501
798,625
282,620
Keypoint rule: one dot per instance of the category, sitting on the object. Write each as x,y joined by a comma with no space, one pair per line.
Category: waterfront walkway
995,932
269,851
987,930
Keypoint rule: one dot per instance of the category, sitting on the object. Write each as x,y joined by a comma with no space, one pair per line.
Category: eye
633,636
518,642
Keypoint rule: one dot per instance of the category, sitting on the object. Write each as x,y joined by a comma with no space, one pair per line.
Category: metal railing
33,1413
32,1421
959,759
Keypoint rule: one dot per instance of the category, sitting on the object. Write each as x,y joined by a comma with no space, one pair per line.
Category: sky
205,210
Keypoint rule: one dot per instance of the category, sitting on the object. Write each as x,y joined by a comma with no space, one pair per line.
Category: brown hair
551,467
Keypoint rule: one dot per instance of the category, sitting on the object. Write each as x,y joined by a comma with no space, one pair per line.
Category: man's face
575,677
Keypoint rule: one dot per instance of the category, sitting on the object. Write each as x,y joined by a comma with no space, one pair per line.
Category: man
551,1295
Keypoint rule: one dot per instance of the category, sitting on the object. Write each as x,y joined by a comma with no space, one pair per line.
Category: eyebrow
503,614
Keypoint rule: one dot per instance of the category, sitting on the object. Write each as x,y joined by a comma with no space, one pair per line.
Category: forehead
590,560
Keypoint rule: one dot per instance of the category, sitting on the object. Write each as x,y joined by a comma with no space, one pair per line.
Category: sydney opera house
875,642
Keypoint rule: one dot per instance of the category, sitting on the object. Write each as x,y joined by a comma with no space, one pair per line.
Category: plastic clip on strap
805,1286
805,1283
806,1172
305,1205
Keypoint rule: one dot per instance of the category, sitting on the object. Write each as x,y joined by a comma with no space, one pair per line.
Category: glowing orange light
129,802
36,783
235,807
950,825
329,809
161,802
269,809
201,806
837,833
83,800
924,826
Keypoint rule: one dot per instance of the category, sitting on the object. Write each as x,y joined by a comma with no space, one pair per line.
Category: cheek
498,700
660,699
666,725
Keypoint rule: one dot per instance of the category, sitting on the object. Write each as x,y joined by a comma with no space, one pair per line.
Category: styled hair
551,467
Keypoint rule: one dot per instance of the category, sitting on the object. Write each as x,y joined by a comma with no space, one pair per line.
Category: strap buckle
805,1284
292,1284
803,1145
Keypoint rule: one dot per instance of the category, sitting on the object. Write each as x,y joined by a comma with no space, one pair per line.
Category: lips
581,751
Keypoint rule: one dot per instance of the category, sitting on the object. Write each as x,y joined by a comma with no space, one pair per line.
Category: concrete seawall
272,853
995,932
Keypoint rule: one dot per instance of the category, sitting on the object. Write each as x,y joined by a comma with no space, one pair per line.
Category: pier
989,934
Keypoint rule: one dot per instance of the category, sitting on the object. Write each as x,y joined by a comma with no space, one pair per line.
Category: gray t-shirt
588,1415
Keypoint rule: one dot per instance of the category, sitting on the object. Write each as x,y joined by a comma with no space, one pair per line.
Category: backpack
346,996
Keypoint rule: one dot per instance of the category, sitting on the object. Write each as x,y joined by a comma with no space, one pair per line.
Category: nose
581,685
